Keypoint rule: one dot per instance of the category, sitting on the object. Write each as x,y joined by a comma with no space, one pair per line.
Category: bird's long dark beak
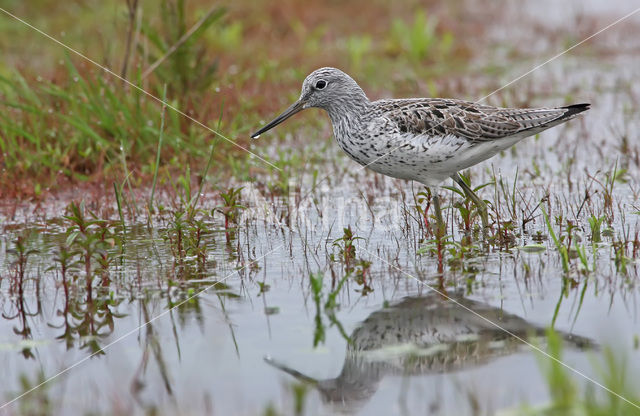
295,373
295,107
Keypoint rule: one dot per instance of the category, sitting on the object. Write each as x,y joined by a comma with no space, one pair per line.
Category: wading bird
422,139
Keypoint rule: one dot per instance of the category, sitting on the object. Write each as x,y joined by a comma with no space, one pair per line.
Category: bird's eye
321,84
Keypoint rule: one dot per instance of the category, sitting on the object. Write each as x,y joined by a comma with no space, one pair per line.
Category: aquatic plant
231,208
595,223
21,252
91,238
467,209
346,249
562,249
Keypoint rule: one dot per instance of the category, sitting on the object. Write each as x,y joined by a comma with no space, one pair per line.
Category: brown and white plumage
471,121
423,139
430,139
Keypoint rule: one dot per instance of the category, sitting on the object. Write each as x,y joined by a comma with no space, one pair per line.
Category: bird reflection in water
423,335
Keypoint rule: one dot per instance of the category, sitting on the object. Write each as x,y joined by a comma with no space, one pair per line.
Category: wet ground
281,308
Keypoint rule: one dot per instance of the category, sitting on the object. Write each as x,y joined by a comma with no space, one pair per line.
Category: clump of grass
346,249
81,124
231,209
615,175
188,238
621,259
421,38
177,57
358,47
67,260
595,223
353,266
189,228
21,252
562,249
288,161
467,209
78,127
91,246
91,239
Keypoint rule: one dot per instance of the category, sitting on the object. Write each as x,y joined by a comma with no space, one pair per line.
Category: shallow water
237,335
414,352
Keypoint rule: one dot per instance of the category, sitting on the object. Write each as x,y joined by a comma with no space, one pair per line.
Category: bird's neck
348,114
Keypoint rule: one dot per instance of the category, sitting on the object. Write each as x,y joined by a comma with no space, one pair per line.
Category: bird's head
326,88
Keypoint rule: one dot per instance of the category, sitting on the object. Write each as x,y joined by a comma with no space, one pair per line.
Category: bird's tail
574,109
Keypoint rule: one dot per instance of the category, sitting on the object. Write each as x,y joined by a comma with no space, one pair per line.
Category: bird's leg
482,207
439,232
440,227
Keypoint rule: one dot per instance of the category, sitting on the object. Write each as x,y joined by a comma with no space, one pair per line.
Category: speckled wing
471,121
